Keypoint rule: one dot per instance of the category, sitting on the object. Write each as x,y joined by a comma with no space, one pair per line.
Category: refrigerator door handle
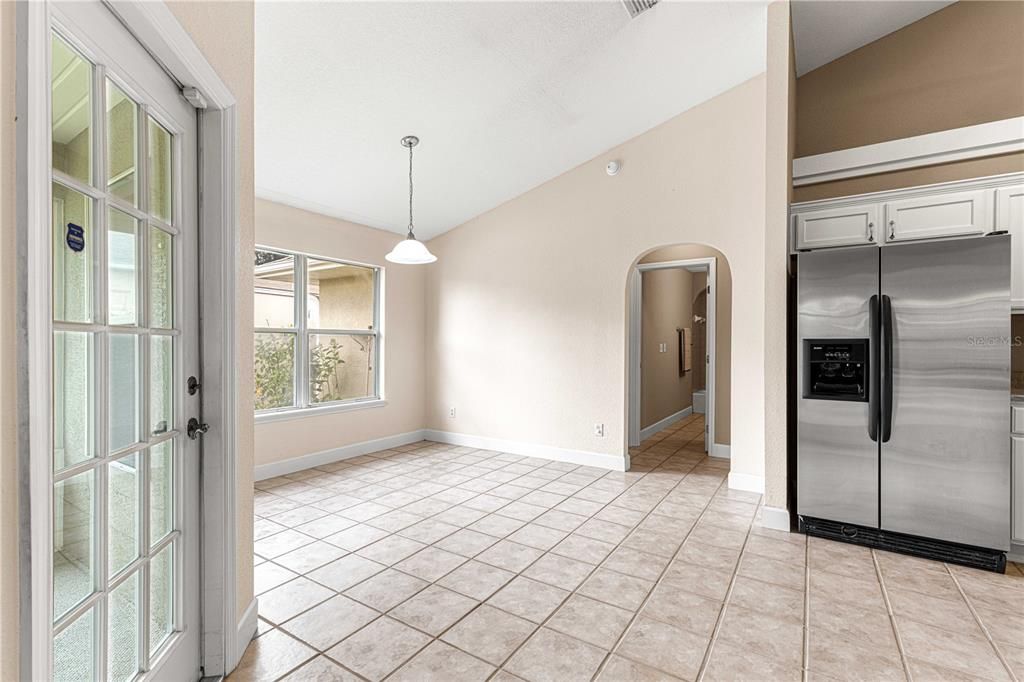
874,370
887,334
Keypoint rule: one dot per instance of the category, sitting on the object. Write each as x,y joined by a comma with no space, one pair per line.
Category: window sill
305,412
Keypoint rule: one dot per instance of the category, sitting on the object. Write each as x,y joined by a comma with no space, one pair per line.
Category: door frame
223,634
636,338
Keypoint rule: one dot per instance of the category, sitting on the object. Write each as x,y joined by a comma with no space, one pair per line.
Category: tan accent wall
404,328
667,305
960,66
957,67
9,630
540,283
699,305
723,326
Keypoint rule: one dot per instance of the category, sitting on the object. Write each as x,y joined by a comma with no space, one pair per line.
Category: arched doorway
681,367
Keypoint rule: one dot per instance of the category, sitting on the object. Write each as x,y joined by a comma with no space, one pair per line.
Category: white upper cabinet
836,227
941,215
1010,217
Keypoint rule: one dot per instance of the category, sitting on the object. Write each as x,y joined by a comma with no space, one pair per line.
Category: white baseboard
748,482
719,450
668,421
775,518
290,466
582,457
246,631
1016,553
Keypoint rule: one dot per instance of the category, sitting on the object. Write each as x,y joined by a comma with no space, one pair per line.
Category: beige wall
778,160
8,383
540,284
960,66
667,304
291,228
723,327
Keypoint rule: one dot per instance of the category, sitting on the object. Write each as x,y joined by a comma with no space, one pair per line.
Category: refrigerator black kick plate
965,555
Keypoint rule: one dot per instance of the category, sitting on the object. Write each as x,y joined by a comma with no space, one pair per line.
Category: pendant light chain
410,191
410,251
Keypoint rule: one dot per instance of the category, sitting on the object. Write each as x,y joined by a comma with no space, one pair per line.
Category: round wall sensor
612,168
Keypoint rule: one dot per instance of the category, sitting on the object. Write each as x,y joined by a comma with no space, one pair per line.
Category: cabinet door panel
943,215
1018,489
836,227
1010,217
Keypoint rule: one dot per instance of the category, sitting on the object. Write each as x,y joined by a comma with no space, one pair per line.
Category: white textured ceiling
504,95
825,30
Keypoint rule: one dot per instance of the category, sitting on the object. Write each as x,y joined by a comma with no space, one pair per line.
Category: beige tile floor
434,562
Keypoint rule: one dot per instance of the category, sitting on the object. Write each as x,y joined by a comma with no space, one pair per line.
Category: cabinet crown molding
944,146
988,182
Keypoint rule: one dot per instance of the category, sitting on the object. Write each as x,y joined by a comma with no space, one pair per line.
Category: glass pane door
118,350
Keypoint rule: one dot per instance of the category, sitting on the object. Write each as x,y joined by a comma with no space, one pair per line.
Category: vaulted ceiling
504,95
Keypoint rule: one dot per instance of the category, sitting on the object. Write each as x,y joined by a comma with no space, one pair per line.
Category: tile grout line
981,624
692,465
480,603
709,650
659,580
618,545
892,617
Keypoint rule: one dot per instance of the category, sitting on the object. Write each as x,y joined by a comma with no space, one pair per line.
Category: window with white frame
317,332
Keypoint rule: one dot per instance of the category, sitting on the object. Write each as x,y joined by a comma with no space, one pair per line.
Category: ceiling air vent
638,7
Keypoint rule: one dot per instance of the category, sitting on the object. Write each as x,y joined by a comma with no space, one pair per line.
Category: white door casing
634,341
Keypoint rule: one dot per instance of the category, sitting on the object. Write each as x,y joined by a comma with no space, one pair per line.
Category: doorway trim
636,338
223,637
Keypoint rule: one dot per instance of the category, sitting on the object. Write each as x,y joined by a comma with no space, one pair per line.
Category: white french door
124,516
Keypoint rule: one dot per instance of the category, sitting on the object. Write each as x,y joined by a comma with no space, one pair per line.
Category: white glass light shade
410,252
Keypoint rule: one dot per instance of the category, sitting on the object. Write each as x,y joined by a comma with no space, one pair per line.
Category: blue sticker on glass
75,237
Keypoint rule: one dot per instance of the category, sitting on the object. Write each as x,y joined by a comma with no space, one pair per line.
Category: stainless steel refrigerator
903,394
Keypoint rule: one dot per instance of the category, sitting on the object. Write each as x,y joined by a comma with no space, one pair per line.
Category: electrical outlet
451,413
599,430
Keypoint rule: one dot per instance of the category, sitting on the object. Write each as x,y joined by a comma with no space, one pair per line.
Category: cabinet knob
871,232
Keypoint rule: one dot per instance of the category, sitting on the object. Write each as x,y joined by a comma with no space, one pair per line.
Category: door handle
874,371
195,428
887,334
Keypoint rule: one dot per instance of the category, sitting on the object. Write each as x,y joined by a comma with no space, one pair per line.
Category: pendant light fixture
410,251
